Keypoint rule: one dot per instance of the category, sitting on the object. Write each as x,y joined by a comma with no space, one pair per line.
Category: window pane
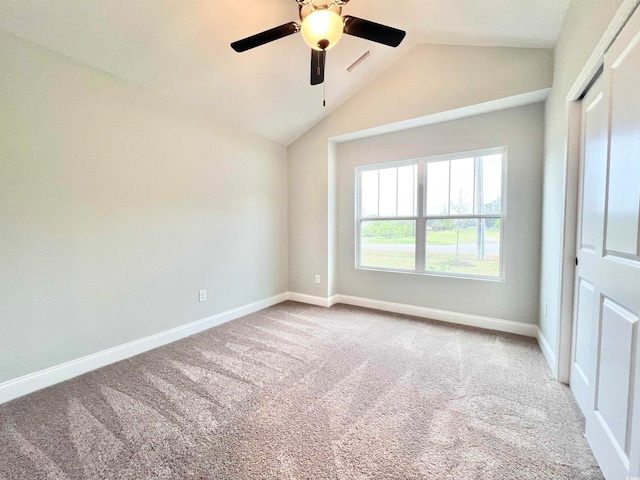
462,178
438,188
369,192
388,185
407,187
469,246
489,184
388,244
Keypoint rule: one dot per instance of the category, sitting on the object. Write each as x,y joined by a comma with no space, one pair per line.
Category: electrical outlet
317,278
203,295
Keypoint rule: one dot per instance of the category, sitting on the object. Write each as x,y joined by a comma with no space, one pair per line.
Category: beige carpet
301,392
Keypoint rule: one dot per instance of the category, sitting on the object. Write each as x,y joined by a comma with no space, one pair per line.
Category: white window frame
421,218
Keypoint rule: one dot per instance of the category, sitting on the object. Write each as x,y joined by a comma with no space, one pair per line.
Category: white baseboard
488,323
547,352
44,378
313,300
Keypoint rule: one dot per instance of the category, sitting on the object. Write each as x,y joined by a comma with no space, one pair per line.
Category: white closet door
613,419
592,171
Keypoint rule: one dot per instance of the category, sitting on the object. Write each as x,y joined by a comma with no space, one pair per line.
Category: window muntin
439,215
389,191
387,222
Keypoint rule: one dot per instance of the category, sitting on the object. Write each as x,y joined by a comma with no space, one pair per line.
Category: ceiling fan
322,27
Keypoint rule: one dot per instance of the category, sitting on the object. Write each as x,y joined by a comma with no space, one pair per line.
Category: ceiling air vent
357,63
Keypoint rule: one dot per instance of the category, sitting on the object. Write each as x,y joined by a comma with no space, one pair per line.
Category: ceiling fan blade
318,58
265,37
375,32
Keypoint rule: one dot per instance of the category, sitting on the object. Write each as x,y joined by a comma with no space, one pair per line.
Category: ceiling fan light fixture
322,29
322,26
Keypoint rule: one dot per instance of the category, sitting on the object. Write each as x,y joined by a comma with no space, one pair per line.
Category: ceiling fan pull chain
324,84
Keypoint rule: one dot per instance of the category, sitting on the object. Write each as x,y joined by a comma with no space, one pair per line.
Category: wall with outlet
118,207
428,80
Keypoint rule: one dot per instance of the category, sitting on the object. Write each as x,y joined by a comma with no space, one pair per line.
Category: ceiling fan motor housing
305,10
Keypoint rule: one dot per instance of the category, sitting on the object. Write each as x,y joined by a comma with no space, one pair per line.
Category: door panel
593,153
584,325
616,371
624,166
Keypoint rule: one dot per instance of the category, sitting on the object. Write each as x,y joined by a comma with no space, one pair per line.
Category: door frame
587,76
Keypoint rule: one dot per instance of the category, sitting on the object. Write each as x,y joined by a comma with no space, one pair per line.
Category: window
439,215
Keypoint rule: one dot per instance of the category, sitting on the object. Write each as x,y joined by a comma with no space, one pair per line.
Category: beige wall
429,79
515,298
116,207
583,27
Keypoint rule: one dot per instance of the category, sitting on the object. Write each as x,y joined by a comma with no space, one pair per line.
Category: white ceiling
181,48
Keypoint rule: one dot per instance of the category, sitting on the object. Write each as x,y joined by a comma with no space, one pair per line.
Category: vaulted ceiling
180,48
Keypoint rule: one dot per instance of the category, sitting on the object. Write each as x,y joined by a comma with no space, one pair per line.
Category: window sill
460,276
